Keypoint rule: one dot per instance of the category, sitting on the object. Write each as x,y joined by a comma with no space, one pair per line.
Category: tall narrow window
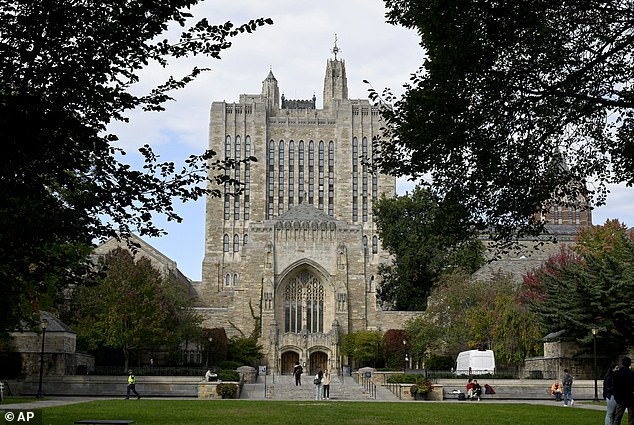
236,281
301,172
320,181
311,172
236,197
291,173
293,304
225,243
236,243
375,178
247,178
314,305
331,179
245,240
227,197
375,245
559,215
280,179
227,279
364,180
270,189
355,179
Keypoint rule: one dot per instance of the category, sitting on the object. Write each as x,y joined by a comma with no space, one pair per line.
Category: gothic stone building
295,256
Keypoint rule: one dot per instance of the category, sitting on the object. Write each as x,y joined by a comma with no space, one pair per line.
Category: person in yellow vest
132,385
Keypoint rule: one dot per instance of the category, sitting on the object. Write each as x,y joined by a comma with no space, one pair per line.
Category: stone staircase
283,388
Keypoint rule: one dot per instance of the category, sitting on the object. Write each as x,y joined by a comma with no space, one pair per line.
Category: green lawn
243,412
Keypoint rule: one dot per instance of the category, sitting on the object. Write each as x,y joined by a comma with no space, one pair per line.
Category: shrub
422,387
227,390
228,375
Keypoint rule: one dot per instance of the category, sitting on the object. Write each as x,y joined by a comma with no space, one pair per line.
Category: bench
104,421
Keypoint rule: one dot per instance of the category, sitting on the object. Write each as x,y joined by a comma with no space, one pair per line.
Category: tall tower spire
335,81
271,91
335,49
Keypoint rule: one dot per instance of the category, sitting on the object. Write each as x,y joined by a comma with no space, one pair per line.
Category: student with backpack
297,373
567,384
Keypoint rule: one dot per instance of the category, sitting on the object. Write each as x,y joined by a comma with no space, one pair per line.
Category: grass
242,412
12,400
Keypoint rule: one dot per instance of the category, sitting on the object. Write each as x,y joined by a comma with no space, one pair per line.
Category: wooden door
289,359
318,361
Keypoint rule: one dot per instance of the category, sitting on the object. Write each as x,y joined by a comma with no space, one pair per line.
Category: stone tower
294,257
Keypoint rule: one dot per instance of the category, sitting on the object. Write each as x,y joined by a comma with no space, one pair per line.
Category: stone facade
294,257
55,350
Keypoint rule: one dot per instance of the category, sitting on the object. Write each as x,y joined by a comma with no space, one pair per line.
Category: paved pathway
283,388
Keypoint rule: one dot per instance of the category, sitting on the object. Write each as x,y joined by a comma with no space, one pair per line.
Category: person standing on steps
132,385
297,373
325,382
318,387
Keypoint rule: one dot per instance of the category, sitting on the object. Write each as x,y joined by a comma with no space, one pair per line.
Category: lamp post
595,331
405,360
210,339
43,326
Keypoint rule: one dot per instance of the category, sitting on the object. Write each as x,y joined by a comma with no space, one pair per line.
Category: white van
475,362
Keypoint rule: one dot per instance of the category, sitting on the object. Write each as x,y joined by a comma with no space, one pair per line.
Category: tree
513,104
465,314
132,306
245,350
414,229
593,292
69,69
365,347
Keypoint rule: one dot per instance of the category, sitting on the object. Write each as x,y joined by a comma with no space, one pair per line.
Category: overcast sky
295,48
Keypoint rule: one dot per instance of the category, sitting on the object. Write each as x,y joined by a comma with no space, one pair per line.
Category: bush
226,390
401,378
228,365
421,387
229,375
436,362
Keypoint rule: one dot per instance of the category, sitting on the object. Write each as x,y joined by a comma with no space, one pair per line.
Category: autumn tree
594,291
68,69
464,313
415,229
132,306
512,103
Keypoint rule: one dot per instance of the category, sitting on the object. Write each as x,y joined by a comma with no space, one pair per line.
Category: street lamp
43,326
595,331
210,339
406,358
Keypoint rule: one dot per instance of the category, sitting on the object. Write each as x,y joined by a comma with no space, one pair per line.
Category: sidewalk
283,388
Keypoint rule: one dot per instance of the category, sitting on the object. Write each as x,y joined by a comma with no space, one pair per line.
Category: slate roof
305,212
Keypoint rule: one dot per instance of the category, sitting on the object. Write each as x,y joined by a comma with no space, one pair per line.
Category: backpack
316,381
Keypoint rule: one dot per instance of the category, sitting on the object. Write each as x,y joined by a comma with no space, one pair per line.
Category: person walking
624,392
608,395
297,373
318,387
132,385
326,384
567,384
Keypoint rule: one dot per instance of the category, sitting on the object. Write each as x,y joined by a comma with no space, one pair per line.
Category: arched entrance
318,361
289,358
